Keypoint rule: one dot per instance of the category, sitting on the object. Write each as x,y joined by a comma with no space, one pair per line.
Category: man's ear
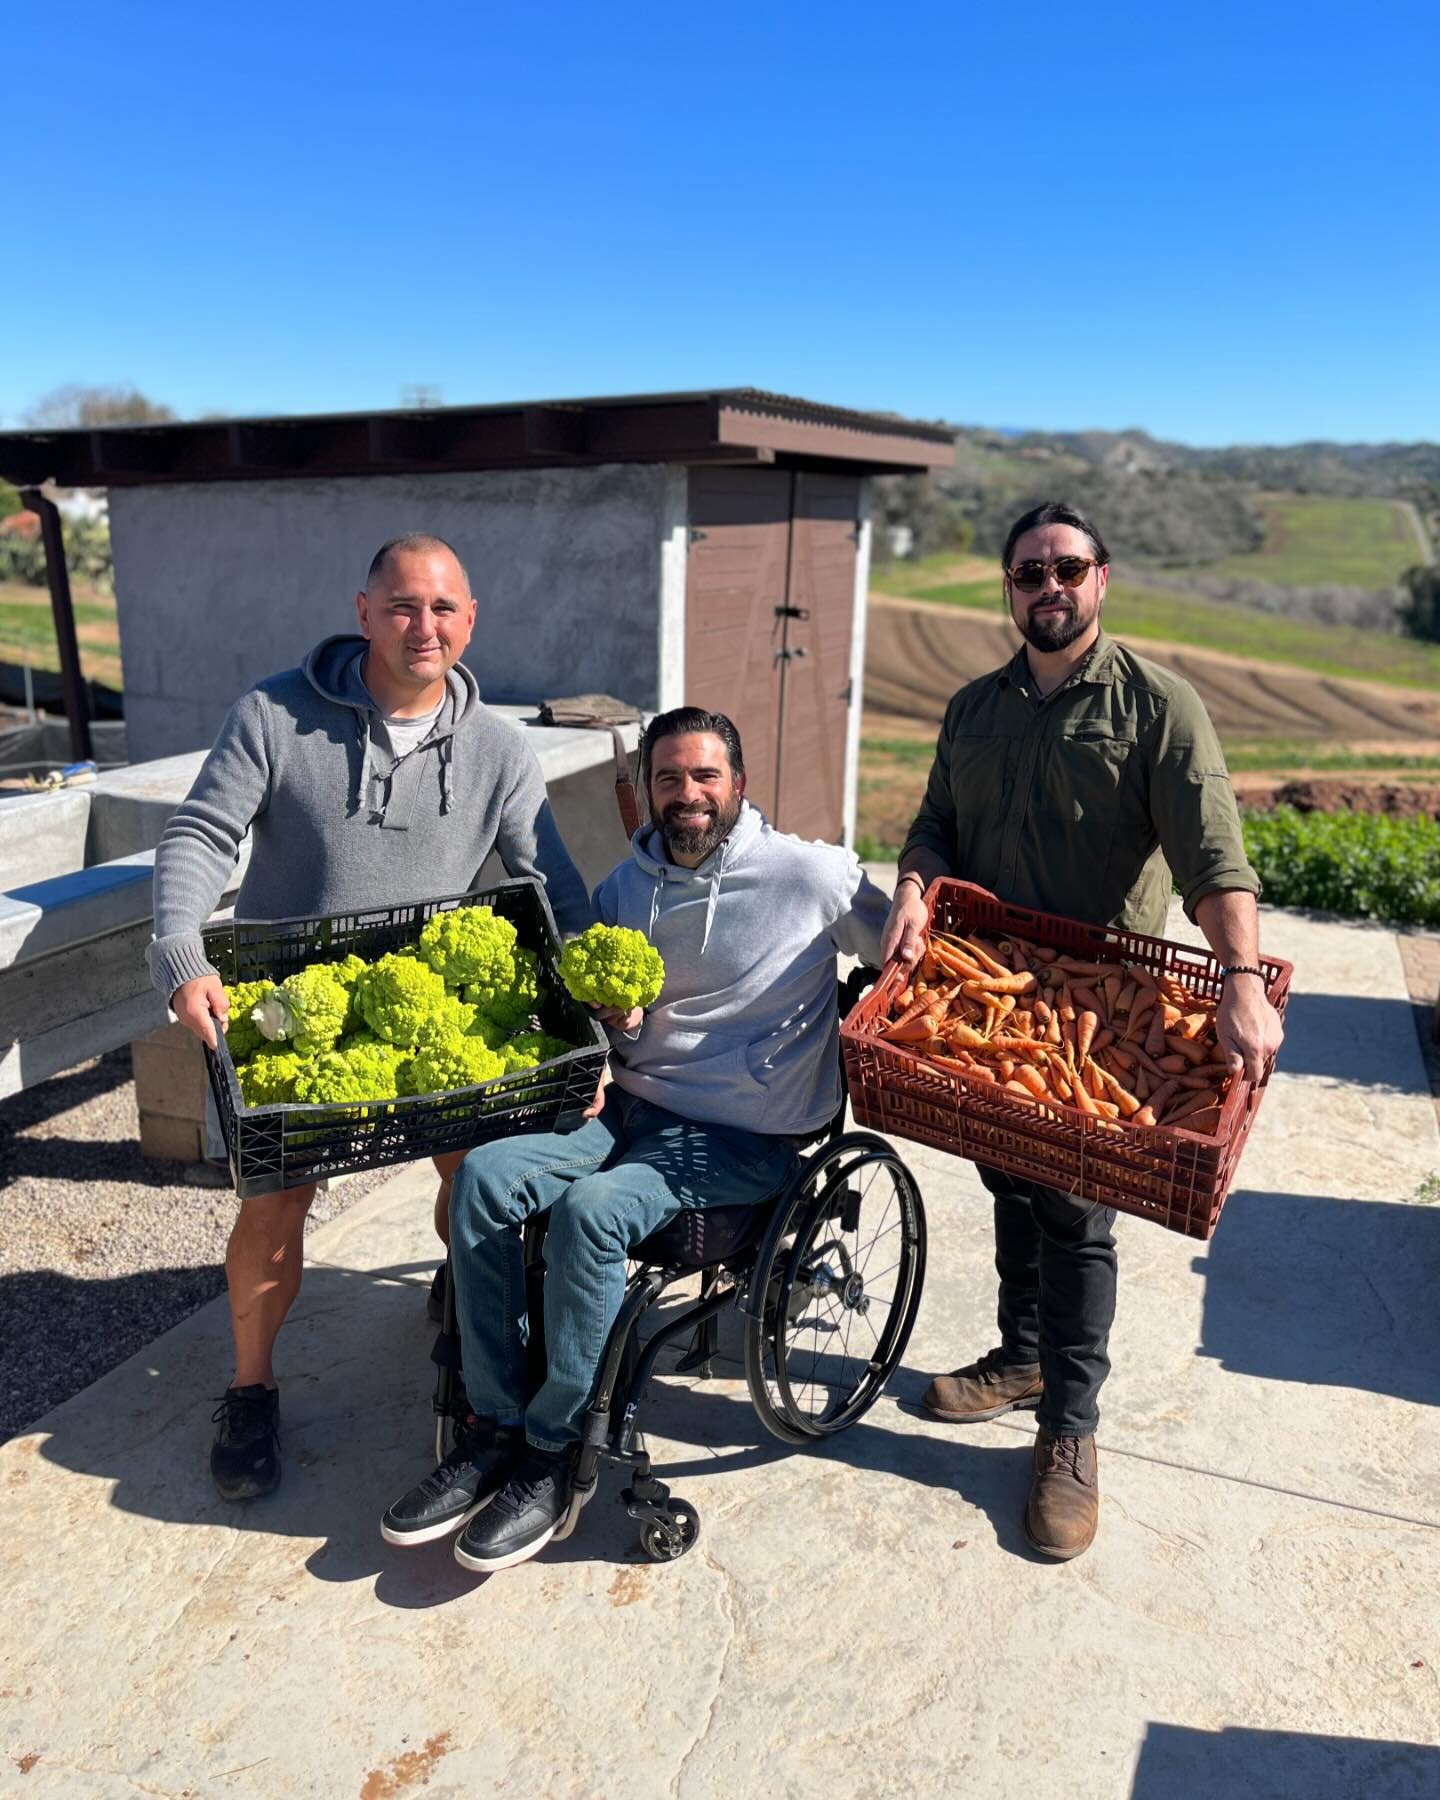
362,613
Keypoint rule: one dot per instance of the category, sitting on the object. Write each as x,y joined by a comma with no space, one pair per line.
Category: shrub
1366,865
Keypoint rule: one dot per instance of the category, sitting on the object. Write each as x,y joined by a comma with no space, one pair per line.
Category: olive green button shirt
1084,802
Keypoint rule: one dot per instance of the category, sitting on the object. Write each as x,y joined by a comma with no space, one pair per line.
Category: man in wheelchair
711,1092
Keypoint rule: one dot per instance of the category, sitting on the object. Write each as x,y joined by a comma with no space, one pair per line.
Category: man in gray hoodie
712,1090
370,776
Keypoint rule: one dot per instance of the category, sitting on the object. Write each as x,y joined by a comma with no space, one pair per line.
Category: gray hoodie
744,1031
303,762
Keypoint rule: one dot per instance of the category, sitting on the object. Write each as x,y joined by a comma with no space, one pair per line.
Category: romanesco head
469,944
532,1048
268,1079
456,1061
308,1010
610,965
243,1035
510,1003
397,995
359,1068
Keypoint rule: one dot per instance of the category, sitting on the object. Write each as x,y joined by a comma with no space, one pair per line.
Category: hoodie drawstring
717,875
447,771
362,784
655,902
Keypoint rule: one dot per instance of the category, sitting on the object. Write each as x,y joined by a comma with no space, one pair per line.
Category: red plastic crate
1177,1177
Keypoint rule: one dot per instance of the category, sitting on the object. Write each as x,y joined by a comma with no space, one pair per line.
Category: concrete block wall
170,1089
221,583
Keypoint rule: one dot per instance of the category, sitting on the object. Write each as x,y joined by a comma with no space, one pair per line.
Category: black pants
1055,1257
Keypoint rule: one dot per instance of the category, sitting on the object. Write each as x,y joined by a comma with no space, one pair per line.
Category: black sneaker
470,1477
245,1457
520,1521
435,1299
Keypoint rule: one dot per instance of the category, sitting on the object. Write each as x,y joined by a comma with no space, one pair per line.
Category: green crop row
1366,865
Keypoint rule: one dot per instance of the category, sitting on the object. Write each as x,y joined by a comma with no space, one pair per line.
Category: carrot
970,948
1127,1102
1083,1100
1088,999
1107,1109
1110,989
1094,1080
1141,1085
998,984
1193,1024
1125,1058
1086,971
1125,1000
1044,953
1155,1038
1188,1048
1014,1087
1085,1028
1030,1077
1103,1039
1172,1065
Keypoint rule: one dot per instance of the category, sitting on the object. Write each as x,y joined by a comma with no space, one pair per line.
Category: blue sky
1218,222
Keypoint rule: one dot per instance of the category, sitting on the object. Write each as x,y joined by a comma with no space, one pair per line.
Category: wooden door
735,590
815,694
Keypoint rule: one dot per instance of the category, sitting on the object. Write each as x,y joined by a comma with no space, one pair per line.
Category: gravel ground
100,1250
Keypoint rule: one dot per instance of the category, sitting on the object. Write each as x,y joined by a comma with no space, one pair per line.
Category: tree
1420,610
81,408
9,500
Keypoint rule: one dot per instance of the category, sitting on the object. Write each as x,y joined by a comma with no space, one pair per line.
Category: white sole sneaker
444,1528
490,1565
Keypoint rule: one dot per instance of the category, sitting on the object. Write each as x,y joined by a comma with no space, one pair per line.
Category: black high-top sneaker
521,1520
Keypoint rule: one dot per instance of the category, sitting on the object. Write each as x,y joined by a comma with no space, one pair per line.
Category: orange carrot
1085,1028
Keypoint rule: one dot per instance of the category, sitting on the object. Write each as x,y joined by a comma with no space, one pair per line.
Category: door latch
792,612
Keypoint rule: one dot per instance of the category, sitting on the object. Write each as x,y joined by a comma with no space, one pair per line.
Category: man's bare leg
445,1166
263,1265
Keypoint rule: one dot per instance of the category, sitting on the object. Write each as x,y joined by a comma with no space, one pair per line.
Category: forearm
923,865
1230,921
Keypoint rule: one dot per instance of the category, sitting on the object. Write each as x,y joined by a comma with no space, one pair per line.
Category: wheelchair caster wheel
667,1538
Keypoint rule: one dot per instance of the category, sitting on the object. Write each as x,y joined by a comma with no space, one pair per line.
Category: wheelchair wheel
835,1289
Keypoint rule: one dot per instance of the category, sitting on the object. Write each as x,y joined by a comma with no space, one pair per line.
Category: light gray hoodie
744,1030
303,763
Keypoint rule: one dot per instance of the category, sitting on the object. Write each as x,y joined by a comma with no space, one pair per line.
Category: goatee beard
1051,634
700,840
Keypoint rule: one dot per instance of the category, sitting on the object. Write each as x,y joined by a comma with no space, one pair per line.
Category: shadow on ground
1337,1035
58,1333
1340,1293
361,1433
1235,1764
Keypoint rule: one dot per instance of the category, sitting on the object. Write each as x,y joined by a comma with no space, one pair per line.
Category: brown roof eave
732,425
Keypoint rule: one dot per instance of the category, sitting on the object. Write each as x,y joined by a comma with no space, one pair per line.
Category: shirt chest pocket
979,774
1090,778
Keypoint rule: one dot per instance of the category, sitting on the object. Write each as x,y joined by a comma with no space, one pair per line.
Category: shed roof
723,425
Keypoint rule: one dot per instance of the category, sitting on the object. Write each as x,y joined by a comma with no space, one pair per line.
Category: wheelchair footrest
580,1498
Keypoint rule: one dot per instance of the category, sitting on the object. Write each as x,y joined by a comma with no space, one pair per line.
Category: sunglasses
1070,571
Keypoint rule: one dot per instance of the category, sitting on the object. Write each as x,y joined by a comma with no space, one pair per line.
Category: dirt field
917,654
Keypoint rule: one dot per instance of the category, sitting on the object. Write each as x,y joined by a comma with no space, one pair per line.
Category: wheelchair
826,1277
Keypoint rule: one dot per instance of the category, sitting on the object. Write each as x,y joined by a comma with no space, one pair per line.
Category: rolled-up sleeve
1194,808
934,828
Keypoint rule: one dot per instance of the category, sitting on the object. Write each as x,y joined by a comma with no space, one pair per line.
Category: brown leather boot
983,1390
1063,1510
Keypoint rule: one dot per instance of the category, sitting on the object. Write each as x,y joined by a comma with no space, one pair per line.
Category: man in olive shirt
1076,780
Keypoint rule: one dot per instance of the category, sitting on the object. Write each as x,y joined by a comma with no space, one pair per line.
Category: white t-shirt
406,735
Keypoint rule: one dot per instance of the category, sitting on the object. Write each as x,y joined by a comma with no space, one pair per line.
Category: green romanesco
610,965
308,1010
359,1068
532,1048
470,944
443,1063
511,1002
268,1079
243,1035
397,995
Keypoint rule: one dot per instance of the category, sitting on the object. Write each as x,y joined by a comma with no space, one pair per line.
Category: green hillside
1318,540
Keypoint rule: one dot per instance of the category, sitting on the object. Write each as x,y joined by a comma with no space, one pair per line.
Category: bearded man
1082,780
713,1090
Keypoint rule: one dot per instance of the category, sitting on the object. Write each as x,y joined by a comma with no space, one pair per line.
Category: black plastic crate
276,1147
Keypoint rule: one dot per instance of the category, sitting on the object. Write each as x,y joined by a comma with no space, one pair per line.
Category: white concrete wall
221,583
860,613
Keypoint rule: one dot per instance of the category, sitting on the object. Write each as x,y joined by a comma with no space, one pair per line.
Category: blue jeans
607,1185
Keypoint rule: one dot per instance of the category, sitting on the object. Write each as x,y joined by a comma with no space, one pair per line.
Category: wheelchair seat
702,1236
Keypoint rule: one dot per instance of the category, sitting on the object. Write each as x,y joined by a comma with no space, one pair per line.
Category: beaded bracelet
1242,969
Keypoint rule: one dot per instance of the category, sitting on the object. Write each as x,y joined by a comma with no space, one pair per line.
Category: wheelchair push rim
835,1290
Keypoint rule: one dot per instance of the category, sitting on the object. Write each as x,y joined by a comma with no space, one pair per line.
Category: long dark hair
1053,512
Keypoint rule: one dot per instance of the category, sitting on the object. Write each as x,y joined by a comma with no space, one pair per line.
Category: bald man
370,776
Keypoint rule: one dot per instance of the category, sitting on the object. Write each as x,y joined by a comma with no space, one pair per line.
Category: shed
709,548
